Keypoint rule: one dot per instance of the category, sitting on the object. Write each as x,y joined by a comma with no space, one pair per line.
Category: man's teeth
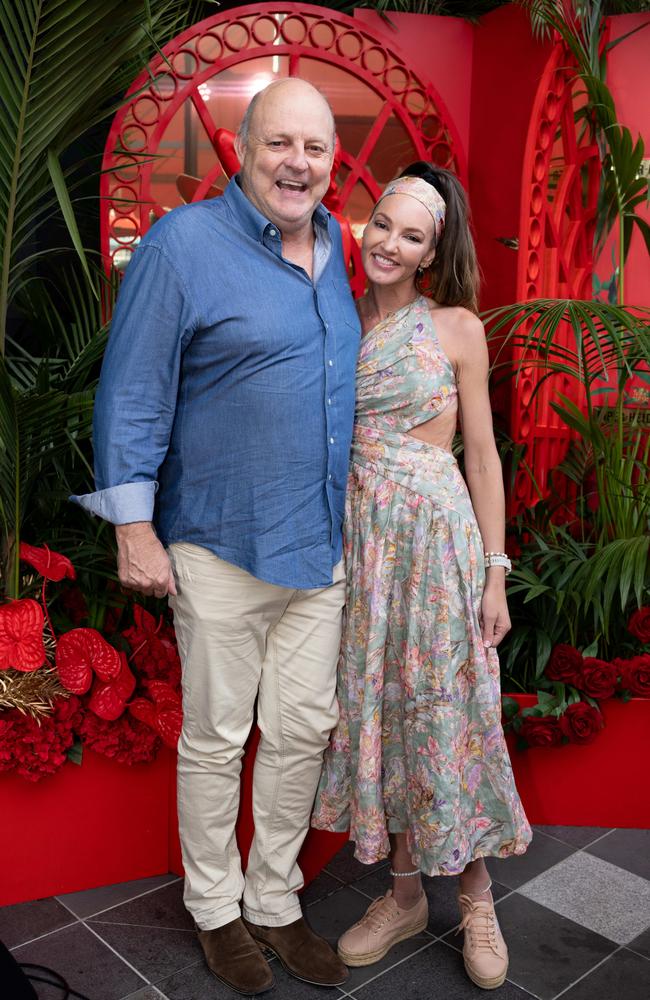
292,185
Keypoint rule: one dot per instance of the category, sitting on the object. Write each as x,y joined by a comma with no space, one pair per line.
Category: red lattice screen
386,114
558,208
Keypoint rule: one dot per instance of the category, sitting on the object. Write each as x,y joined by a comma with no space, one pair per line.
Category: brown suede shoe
302,953
235,959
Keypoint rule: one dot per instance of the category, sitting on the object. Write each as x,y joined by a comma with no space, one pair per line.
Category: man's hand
142,563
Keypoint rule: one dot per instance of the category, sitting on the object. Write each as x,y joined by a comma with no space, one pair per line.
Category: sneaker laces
379,913
481,922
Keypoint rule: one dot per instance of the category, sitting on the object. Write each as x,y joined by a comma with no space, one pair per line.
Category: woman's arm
482,467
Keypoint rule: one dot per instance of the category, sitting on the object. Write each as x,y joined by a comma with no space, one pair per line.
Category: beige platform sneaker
383,925
485,952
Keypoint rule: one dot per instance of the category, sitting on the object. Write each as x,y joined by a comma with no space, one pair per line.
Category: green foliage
584,551
64,67
46,405
580,24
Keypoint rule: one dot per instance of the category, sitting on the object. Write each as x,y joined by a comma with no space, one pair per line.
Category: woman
418,766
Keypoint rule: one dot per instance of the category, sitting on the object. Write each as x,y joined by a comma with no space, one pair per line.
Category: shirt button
329,400
330,362
331,440
330,476
272,232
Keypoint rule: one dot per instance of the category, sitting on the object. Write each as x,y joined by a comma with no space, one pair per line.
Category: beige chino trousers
241,639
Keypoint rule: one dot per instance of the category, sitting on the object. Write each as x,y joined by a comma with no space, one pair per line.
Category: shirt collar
253,222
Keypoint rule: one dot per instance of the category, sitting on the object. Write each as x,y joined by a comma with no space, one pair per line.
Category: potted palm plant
578,657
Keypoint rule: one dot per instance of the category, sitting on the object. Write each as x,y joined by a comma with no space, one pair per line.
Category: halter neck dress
419,745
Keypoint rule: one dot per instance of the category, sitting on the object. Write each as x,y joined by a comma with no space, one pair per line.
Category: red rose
598,678
635,674
565,664
581,722
639,624
541,731
51,565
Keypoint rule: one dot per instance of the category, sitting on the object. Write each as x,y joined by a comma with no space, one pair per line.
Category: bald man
223,422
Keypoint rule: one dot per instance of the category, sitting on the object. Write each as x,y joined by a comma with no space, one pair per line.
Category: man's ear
240,149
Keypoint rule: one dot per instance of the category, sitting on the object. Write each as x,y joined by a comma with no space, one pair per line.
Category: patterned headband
423,192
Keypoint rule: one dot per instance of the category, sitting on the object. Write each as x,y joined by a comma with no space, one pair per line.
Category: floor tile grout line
129,923
390,968
39,937
525,989
565,843
131,899
110,947
598,839
550,868
589,972
634,952
66,907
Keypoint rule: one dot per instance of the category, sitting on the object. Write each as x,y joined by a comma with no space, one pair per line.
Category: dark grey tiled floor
575,912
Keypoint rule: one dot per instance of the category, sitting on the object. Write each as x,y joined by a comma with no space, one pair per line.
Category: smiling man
222,430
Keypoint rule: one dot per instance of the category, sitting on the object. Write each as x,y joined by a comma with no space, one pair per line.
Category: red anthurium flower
51,565
144,710
21,635
108,699
144,620
80,652
164,713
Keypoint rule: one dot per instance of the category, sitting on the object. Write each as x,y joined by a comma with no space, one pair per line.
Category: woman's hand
494,616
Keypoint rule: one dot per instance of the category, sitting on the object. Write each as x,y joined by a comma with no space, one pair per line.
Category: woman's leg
475,880
407,887
484,951
398,915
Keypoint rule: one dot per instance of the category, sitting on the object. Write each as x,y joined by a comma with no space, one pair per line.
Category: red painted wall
508,64
627,78
438,48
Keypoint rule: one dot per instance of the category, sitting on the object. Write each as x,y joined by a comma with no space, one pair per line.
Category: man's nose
297,157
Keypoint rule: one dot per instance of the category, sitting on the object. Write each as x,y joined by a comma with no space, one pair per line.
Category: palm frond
603,337
63,67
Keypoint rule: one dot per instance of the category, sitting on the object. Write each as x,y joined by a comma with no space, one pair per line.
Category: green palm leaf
63,67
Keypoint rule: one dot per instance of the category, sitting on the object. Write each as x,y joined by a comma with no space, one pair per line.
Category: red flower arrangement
639,625
567,707
123,705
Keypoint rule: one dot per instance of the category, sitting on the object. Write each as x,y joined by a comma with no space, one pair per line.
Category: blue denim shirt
226,399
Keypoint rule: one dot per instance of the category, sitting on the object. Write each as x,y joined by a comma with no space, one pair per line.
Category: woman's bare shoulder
463,325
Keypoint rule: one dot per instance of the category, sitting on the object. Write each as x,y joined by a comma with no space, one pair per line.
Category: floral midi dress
419,745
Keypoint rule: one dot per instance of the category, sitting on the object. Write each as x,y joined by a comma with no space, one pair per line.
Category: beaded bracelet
403,874
498,559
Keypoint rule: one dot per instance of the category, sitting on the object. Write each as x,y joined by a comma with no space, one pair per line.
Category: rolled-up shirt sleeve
135,404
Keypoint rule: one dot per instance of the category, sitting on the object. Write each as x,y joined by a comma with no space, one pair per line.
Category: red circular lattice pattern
558,210
217,44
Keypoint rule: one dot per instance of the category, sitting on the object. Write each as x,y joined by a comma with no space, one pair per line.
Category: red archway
386,114
558,211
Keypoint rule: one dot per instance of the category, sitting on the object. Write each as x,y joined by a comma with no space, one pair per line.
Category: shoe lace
480,922
379,914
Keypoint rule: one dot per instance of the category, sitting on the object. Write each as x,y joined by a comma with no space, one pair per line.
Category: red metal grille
296,36
558,209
